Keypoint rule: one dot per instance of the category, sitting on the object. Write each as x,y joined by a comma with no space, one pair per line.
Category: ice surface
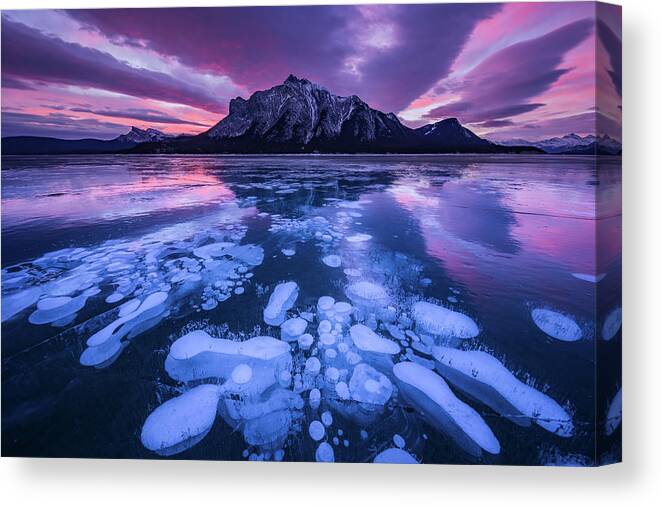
394,456
557,325
366,339
612,324
485,378
442,322
614,414
431,396
213,250
281,300
186,419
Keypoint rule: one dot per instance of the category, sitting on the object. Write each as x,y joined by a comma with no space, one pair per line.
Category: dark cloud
259,47
496,123
613,46
30,55
504,84
146,115
57,125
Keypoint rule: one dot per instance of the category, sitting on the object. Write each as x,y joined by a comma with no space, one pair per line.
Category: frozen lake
438,309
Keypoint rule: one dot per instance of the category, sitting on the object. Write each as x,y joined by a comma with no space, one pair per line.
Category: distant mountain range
296,116
573,144
28,145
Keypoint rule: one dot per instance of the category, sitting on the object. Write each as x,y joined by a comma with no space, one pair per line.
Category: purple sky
506,70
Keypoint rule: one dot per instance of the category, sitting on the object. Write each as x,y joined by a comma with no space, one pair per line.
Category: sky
517,70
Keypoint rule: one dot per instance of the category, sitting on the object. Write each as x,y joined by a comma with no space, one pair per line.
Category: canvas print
350,234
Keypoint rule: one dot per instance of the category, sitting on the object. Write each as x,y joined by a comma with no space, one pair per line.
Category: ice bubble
394,456
17,302
367,294
363,434
366,339
324,327
128,307
342,391
369,386
278,455
399,441
212,250
430,395
353,273
327,339
284,378
612,324
292,329
485,378
332,375
327,418
336,441
288,252
316,430
181,422
312,366
269,430
197,356
332,260
324,453
56,308
358,238
590,278
305,341
250,254
557,325
281,300
242,374
239,290
614,414
330,354
442,322
325,304
114,297
315,398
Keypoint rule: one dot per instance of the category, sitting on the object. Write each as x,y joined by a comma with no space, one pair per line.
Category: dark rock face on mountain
451,136
29,145
302,117
138,136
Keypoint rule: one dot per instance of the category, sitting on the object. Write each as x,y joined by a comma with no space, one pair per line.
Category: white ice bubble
614,414
242,374
367,294
369,386
16,302
288,252
366,339
327,418
430,395
394,456
324,453
212,250
317,430
442,322
359,238
179,423
332,260
485,378
399,441
557,325
612,324
291,329
342,391
305,341
590,278
281,300
315,398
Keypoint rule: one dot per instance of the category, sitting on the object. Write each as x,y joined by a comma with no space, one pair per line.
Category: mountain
138,136
30,145
573,144
299,116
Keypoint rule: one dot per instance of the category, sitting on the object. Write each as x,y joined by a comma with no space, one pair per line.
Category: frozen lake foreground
331,309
